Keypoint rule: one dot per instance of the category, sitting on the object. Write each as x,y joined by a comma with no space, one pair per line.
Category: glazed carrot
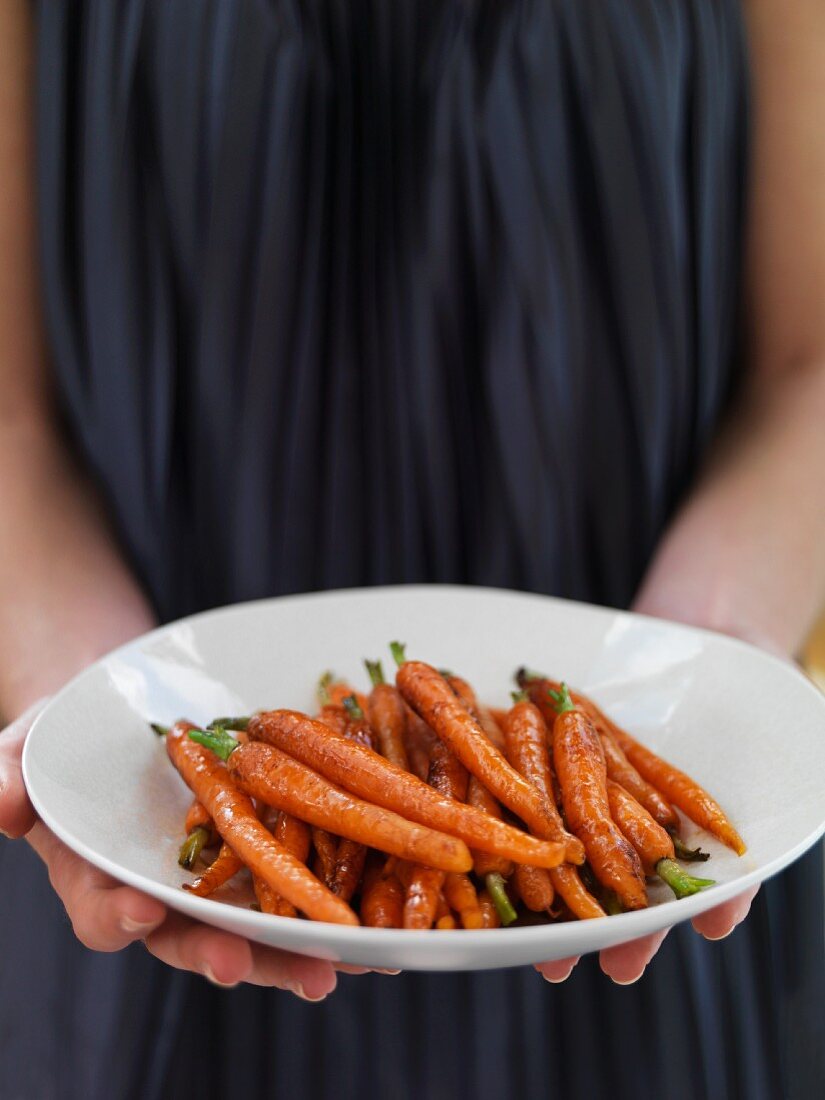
271,902
428,693
326,849
387,716
486,863
534,887
221,870
460,894
268,774
447,774
370,776
526,741
446,923
333,692
422,889
382,898
349,867
654,845
489,913
235,819
621,771
683,792
196,816
619,767
467,697
418,741
295,836
580,767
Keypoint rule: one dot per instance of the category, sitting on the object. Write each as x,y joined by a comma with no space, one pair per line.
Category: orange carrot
534,887
486,863
271,902
460,894
428,693
447,774
467,697
489,913
349,866
225,865
581,771
422,888
387,716
653,844
526,740
621,771
268,774
382,897
235,819
370,776
326,849
296,838
196,817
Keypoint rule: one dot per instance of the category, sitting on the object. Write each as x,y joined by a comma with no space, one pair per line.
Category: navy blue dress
348,292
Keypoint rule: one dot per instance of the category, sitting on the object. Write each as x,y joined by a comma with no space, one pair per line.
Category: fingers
226,959
557,971
105,915
16,813
717,923
626,962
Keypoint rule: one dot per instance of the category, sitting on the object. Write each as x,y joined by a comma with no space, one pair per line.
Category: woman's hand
107,916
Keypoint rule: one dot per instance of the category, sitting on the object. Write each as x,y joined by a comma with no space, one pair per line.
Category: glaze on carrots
235,819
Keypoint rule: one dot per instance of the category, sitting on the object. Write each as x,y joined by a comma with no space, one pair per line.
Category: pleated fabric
350,292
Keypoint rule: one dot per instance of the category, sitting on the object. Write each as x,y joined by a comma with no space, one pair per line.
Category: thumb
16,813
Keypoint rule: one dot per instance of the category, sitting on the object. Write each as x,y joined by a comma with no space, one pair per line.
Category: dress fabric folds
346,292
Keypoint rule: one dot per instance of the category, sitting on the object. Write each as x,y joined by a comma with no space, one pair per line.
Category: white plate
749,727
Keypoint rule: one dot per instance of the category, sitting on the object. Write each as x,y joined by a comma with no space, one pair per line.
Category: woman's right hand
107,916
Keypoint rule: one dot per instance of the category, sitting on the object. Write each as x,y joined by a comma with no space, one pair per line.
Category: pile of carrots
416,806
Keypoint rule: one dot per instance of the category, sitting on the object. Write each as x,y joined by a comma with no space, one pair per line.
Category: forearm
66,595
746,553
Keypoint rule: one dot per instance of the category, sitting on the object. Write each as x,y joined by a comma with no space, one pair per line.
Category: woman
344,293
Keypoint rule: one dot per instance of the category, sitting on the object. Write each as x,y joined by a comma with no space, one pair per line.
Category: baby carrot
534,887
682,791
526,741
235,819
268,774
332,692
486,863
654,845
326,849
422,889
196,816
270,902
221,870
382,897
447,774
387,716
489,913
467,697
460,894
581,771
349,866
621,771
370,776
428,693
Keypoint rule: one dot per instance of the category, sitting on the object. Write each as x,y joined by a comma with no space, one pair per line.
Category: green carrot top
398,651
218,740
375,672
561,699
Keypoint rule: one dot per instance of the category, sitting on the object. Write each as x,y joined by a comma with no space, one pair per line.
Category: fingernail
134,926
627,981
379,971
209,974
715,939
297,988
559,980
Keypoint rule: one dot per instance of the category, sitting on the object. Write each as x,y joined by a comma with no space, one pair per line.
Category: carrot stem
681,883
352,708
192,847
239,722
689,855
397,649
497,891
561,699
375,672
218,740
161,731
